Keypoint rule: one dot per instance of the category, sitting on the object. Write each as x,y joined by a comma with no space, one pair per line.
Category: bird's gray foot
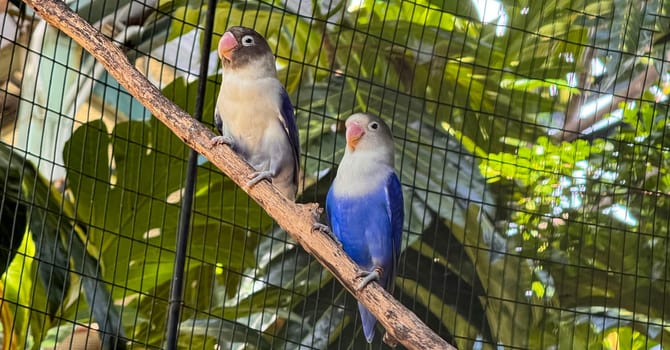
369,276
316,212
317,226
258,176
220,140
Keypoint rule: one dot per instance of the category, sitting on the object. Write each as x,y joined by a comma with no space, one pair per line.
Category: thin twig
296,219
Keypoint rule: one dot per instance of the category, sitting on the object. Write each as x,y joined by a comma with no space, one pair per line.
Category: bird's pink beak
354,134
227,44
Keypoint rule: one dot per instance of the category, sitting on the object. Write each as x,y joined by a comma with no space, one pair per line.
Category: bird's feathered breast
361,172
236,89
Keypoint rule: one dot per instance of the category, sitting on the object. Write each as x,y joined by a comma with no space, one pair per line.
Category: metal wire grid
464,271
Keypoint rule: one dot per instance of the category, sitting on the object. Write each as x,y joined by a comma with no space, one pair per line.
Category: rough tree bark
296,219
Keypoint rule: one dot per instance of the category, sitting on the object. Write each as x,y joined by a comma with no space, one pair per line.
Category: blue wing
396,212
288,120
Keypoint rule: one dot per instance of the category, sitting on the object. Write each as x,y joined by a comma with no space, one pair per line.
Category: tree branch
572,120
296,219
575,125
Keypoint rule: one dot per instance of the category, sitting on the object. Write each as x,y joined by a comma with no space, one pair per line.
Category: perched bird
365,205
253,112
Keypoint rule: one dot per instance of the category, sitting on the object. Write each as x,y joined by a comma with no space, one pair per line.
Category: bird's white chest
359,176
249,110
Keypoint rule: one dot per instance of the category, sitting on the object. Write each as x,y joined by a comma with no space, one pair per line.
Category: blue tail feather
368,322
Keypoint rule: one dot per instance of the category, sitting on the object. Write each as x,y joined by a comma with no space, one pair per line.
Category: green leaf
13,213
227,334
464,333
21,286
142,210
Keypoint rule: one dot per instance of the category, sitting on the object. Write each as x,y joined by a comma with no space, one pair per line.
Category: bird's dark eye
374,125
247,40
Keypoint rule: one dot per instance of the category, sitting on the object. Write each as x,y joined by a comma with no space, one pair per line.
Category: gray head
241,47
369,135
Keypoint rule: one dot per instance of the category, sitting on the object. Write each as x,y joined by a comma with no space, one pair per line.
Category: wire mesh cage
530,142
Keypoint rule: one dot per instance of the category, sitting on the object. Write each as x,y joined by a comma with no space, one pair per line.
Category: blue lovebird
365,205
253,112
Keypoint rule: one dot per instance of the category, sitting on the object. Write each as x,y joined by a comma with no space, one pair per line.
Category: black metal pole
177,288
